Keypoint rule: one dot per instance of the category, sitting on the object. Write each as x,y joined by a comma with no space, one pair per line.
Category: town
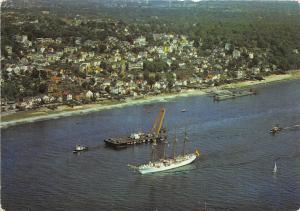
49,59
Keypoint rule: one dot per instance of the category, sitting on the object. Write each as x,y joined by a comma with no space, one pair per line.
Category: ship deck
124,142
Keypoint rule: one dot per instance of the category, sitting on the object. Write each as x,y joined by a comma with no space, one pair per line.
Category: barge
156,134
136,138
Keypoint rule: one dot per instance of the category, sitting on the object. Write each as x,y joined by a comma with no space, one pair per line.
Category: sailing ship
164,163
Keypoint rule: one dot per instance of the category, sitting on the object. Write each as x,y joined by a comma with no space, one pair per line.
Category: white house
89,94
236,54
69,97
240,74
46,99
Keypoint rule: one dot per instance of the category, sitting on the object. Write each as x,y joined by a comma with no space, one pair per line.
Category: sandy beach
62,111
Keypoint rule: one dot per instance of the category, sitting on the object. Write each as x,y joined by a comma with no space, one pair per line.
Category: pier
226,94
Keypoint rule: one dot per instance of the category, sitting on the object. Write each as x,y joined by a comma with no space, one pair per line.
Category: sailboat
168,163
275,169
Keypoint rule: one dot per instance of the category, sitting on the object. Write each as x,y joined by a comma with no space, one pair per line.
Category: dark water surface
39,171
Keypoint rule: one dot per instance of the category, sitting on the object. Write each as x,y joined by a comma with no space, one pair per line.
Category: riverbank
62,111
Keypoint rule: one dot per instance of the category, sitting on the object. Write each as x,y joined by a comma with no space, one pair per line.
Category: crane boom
158,122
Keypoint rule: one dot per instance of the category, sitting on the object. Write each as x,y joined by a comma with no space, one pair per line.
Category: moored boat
80,148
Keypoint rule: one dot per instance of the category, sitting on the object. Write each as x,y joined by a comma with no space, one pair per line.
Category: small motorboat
275,169
80,148
183,110
275,130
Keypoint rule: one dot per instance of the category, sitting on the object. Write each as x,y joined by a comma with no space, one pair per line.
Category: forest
273,26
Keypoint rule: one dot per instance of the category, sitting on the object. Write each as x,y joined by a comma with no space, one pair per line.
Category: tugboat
80,148
275,129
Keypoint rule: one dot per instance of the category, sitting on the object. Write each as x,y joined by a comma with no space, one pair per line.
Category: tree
43,88
155,66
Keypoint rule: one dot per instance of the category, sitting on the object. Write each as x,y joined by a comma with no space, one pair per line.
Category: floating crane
156,134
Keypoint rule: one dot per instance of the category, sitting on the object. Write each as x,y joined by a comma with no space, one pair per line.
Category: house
8,50
227,46
37,100
78,40
140,41
178,83
251,55
52,57
236,54
182,65
21,38
28,103
60,99
89,94
156,85
79,96
106,82
45,40
114,90
70,49
136,65
240,74
157,37
142,54
69,97
51,99
58,40
46,99
8,105
267,69
55,79
255,70
45,12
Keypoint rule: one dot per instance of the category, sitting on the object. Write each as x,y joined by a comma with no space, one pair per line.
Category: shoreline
64,111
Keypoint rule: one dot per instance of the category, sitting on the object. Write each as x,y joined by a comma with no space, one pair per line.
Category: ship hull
153,169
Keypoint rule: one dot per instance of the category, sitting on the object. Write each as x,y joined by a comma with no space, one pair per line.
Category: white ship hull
167,164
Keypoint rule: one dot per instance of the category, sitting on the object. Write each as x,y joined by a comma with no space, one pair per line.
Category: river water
40,172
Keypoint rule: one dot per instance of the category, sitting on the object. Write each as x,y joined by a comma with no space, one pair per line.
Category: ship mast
153,150
165,143
165,150
174,145
184,141
156,129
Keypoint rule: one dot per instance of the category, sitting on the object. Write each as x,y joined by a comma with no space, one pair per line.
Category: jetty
228,94
156,134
